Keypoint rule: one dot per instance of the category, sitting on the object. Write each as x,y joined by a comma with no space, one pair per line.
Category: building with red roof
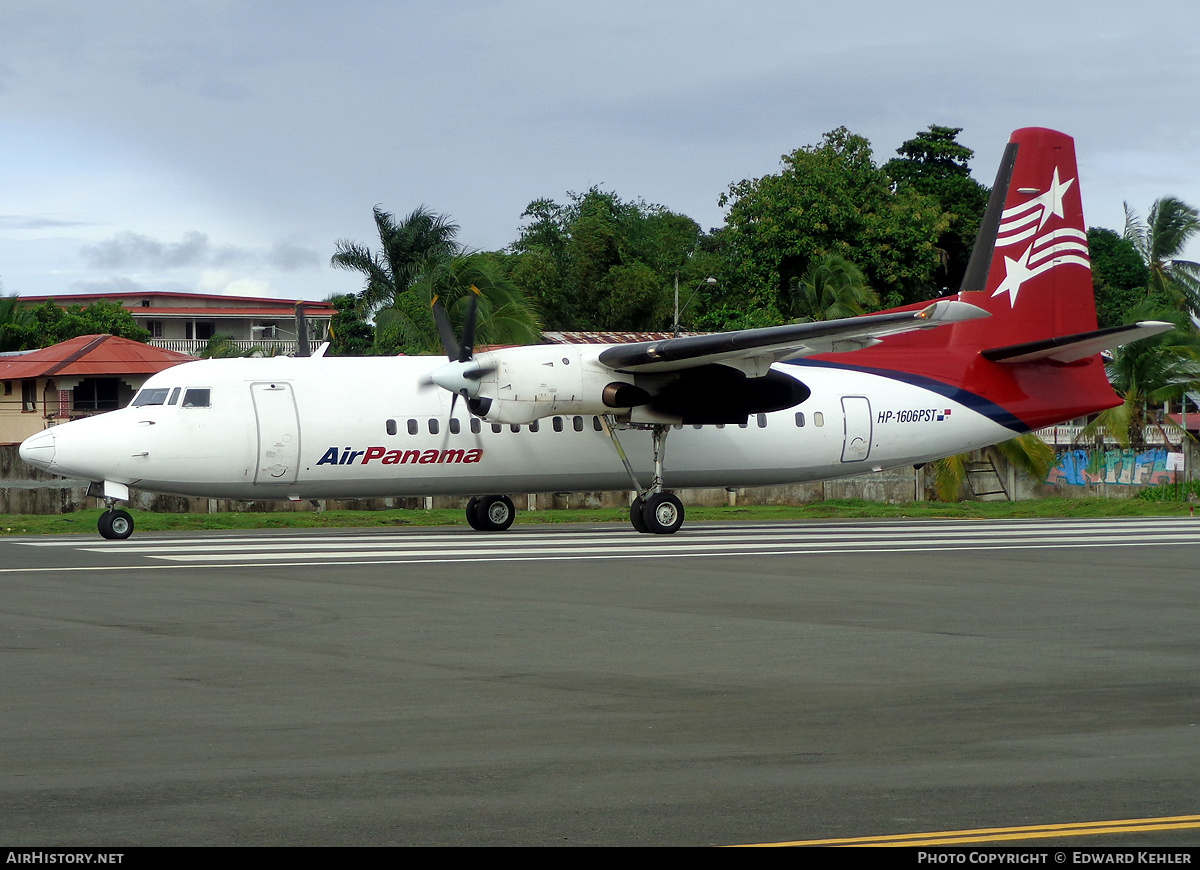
186,321
76,378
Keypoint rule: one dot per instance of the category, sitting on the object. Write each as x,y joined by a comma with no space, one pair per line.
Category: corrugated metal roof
265,313
125,298
91,356
609,337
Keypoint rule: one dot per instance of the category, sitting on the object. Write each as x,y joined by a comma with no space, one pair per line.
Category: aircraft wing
756,349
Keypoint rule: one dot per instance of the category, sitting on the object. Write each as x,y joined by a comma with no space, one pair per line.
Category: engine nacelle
523,384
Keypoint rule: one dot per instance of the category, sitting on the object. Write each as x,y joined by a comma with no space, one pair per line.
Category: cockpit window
174,396
196,398
155,396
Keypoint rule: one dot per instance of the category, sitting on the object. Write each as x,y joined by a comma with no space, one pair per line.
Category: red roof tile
90,356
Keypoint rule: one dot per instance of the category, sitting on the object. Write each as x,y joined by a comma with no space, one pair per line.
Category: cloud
126,285
36,222
195,250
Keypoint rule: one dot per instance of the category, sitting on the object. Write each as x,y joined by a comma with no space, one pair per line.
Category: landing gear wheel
115,525
495,513
663,513
635,515
473,514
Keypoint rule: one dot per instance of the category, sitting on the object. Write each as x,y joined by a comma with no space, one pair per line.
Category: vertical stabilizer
1030,265
1030,271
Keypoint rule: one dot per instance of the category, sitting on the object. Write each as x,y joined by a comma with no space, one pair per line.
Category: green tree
1147,374
1119,277
600,262
15,324
349,334
504,315
1160,240
48,323
1027,452
831,198
934,163
832,287
418,260
405,248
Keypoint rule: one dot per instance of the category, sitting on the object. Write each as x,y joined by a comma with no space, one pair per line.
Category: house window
264,329
28,395
96,394
155,327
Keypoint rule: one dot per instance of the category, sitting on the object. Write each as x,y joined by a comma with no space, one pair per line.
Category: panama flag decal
1036,229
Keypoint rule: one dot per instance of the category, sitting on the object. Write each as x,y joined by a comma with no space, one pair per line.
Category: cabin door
857,413
278,433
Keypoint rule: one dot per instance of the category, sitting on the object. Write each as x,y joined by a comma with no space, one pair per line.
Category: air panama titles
350,456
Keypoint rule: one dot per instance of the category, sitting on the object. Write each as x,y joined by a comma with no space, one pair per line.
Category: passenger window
762,421
455,426
497,428
433,426
578,423
391,427
597,425
533,427
413,427
818,418
558,424
799,419
514,427
197,398
476,426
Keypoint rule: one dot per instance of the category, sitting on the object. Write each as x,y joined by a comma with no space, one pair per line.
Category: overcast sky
226,146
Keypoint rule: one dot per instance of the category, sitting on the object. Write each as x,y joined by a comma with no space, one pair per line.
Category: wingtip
951,311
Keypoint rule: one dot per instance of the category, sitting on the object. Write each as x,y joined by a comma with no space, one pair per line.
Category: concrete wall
25,490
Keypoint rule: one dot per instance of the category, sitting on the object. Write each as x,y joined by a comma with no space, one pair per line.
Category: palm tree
1027,452
505,316
1147,373
1160,241
830,288
406,248
15,324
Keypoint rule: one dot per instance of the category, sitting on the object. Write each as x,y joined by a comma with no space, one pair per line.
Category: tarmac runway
734,683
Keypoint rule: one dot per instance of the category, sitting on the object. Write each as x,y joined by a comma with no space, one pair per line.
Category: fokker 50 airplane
1015,350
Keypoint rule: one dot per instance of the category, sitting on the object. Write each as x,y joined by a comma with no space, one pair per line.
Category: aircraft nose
38,450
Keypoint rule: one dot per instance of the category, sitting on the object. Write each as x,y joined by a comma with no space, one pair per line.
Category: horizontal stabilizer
1072,348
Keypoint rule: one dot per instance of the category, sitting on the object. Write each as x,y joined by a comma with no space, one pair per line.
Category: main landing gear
655,511
114,524
490,513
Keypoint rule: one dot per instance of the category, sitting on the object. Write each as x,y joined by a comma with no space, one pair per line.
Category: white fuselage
373,427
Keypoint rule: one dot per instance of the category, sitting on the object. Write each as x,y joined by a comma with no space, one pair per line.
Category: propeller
461,375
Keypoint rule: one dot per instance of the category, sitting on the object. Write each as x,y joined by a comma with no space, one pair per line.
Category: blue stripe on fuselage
971,400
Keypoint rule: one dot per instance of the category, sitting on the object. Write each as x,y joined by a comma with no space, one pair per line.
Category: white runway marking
558,543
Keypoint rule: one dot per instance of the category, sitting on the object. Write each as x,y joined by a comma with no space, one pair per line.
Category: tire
663,513
635,515
115,525
495,513
473,514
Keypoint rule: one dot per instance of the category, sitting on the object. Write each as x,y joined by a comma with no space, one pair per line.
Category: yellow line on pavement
998,835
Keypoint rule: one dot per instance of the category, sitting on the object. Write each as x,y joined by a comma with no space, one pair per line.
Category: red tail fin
1030,265
1030,270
